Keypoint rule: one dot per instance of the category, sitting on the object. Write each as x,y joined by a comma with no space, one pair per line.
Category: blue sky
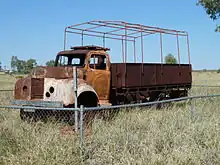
34,29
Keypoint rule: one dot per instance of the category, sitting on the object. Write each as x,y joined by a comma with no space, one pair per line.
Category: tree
212,8
17,65
29,65
22,66
50,63
14,60
0,66
170,59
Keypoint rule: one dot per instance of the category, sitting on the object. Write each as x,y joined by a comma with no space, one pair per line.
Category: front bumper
37,103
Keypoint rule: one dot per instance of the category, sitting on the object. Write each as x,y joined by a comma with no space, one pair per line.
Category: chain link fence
129,129
81,116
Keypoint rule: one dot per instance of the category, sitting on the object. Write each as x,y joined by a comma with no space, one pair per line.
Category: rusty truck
101,82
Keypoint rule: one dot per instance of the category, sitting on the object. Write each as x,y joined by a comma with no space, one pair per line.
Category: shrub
170,59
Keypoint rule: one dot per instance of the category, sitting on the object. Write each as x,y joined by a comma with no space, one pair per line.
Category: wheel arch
87,96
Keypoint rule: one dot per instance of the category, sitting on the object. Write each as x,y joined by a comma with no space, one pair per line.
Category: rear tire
159,96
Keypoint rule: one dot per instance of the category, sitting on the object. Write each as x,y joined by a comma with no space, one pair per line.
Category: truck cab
94,61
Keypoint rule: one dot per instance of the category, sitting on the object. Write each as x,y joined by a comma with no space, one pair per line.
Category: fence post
75,97
81,127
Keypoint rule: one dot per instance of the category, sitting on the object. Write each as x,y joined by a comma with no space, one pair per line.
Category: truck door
98,74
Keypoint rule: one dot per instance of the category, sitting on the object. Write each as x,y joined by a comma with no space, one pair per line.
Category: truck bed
128,75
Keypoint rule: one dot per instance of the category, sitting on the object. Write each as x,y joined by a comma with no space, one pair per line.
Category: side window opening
71,60
98,62
74,61
63,60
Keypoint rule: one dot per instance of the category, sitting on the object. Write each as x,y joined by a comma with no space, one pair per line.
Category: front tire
27,116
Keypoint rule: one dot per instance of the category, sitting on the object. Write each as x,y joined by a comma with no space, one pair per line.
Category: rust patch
23,89
130,75
56,72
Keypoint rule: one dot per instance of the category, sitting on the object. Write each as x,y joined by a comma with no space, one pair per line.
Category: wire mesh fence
85,115
112,134
134,131
149,135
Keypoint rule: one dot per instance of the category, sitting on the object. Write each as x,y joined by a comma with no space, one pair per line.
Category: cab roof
82,49
90,47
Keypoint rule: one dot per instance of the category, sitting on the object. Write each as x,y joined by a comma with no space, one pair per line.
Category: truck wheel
178,94
26,116
30,116
160,97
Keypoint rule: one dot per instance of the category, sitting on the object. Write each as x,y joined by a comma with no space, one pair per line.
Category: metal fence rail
6,90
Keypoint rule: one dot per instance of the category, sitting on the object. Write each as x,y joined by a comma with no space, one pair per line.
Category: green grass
141,136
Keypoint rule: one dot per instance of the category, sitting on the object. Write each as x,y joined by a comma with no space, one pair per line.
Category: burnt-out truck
101,82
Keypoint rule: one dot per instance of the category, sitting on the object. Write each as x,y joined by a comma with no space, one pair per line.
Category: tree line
26,66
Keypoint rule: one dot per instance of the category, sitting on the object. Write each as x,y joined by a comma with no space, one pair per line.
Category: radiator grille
37,88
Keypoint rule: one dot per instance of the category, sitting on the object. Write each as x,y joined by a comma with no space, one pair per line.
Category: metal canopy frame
126,32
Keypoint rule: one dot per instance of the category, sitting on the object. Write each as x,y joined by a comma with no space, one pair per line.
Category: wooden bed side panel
131,75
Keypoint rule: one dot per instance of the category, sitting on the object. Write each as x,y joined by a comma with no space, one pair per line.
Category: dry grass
142,136
207,78
24,144
6,81
158,137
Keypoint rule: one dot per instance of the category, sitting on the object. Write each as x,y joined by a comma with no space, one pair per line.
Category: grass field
142,136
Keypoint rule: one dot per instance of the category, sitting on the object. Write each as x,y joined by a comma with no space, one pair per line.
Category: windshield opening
71,60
